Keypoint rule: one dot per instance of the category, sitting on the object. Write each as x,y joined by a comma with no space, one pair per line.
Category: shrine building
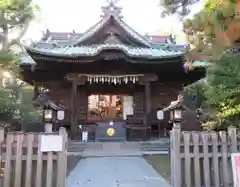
109,73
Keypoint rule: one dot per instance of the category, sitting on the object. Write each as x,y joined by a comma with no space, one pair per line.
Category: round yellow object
110,131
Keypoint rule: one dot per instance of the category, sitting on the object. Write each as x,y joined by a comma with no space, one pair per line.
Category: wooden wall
161,96
163,93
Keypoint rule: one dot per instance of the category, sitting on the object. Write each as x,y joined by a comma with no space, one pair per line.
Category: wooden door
139,105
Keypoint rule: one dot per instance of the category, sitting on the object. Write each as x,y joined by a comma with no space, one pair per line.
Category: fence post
232,133
48,127
49,159
175,157
2,138
62,160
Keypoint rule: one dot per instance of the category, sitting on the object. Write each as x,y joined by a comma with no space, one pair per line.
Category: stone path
115,172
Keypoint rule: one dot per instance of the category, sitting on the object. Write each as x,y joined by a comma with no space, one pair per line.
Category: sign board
160,115
60,115
235,158
51,143
85,136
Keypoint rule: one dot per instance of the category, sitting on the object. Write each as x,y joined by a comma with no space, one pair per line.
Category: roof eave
60,55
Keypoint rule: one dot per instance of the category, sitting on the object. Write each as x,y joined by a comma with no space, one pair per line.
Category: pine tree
180,7
15,16
219,104
224,89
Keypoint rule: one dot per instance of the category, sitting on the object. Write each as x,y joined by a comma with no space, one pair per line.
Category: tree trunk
5,31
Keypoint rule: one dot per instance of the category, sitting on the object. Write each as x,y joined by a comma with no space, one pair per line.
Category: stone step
141,146
76,146
154,150
114,139
154,147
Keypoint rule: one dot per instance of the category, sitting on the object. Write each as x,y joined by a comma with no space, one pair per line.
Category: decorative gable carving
111,10
112,38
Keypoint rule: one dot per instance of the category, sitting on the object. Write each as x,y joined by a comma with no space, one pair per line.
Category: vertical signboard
85,136
235,158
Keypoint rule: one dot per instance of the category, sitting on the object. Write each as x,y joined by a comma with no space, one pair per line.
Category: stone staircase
118,148
155,148
76,147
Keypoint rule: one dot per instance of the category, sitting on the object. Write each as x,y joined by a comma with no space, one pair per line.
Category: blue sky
79,15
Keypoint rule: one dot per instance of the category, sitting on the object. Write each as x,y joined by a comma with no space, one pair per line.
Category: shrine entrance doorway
106,107
108,112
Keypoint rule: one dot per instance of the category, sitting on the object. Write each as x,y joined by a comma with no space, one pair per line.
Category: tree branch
21,34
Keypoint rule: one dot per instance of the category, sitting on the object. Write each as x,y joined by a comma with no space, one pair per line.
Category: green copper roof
142,39
90,32
26,59
92,50
80,47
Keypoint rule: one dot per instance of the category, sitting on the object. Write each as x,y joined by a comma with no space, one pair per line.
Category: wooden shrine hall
109,73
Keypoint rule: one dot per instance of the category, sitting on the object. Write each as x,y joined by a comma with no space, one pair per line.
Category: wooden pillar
35,91
146,80
74,112
148,97
76,80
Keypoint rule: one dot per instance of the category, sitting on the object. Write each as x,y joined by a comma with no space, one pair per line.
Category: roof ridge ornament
111,10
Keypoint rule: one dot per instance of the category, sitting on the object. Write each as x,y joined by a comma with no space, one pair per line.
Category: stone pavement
115,172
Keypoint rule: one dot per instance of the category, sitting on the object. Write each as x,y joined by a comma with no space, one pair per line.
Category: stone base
119,134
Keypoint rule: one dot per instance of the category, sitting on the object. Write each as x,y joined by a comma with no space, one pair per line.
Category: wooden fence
24,165
202,159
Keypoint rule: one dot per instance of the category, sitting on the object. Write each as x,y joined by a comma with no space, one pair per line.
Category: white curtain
127,106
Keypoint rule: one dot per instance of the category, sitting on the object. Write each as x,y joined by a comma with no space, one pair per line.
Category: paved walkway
115,172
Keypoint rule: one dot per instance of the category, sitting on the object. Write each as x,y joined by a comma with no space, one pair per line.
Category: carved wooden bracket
78,78
147,78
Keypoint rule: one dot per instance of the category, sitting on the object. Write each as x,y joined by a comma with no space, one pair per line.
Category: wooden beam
147,78
78,78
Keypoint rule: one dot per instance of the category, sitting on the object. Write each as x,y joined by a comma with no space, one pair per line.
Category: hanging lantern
176,114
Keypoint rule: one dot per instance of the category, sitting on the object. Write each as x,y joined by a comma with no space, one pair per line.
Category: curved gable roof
128,30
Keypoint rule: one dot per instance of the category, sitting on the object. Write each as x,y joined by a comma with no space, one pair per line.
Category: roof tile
93,50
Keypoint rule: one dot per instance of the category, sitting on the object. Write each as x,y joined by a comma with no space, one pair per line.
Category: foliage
203,29
219,98
27,108
15,16
224,92
9,61
180,7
